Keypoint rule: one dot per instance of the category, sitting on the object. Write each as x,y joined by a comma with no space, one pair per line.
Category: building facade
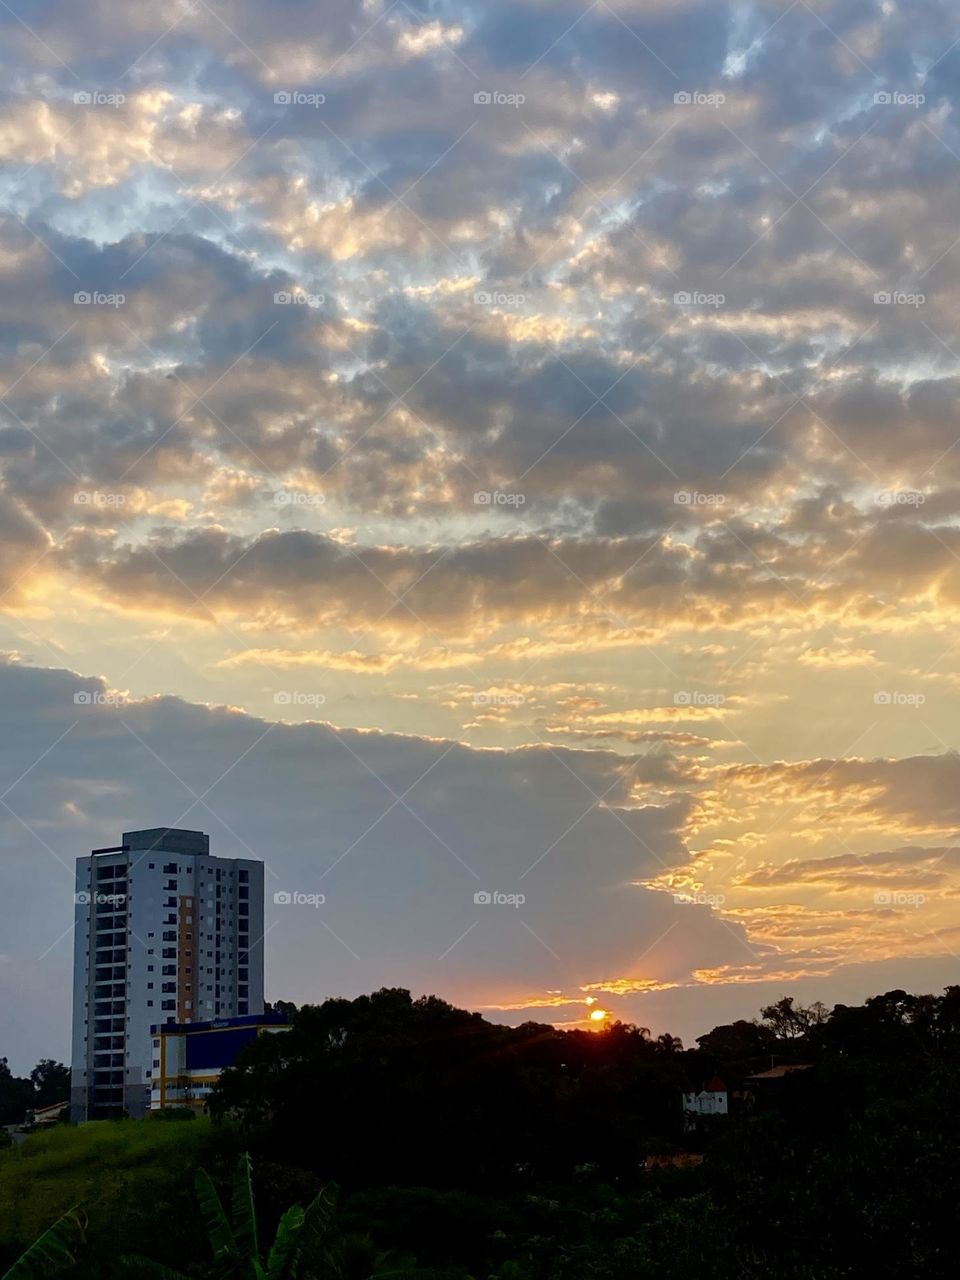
711,1100
188,1057
165,934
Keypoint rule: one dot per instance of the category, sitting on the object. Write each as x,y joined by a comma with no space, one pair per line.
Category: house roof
53,1106
715,1085
777,1073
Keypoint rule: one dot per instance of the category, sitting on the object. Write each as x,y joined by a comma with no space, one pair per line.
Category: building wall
192,1058
705,1104
190,949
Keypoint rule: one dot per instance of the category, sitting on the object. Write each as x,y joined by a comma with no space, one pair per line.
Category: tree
16,1095
53,1252
301,1249
51,1083
792,1022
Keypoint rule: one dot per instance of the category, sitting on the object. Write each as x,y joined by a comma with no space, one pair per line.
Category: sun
598,1015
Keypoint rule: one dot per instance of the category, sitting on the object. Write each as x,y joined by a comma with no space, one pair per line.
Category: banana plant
300,1249
53,1251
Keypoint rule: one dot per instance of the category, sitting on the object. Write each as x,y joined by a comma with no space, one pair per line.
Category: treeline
844,1169
465,1150
47,1084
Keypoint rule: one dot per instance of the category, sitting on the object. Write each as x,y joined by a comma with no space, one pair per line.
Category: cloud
398,832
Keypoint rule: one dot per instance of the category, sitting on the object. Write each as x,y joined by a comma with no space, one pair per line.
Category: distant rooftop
167,840
777,1073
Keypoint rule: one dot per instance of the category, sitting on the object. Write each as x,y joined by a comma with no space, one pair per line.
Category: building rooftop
167,840
272,1018
777,1073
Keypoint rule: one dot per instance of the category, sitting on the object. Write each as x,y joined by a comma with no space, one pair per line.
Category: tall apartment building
165,934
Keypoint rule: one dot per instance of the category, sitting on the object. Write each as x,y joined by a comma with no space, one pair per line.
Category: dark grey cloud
397,832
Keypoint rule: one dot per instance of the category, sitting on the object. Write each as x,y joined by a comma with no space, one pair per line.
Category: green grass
134,1178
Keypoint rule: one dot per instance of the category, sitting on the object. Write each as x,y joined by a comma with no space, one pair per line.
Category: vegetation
301,1249
53,1252
47,1084
469,1151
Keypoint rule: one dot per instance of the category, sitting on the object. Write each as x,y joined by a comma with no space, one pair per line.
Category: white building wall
157,879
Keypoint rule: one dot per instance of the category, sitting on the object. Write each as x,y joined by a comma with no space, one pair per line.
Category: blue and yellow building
188,1057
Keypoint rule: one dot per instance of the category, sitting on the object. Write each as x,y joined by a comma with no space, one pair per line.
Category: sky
498,464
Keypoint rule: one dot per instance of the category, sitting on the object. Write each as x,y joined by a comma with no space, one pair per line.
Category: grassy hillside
134,1179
